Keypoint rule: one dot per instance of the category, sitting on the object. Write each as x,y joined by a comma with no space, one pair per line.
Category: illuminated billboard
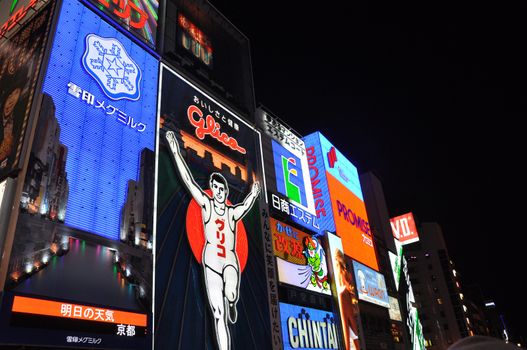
336,189
211,272
396,262
291,194
371,286
404,228
301,259
139,17
308,328
194,40
20,60
84,236
15,13
345,291
394,311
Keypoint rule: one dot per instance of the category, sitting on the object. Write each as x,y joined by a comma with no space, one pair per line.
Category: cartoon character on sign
221,267
313,253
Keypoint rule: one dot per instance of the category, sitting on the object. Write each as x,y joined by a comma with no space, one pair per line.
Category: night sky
430,96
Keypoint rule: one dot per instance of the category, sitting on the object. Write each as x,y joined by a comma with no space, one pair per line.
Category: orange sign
287,242
351,222
76,311
404,229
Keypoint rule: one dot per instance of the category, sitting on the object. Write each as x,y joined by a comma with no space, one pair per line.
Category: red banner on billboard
404,229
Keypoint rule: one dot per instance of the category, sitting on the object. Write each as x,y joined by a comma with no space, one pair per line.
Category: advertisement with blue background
319,183
104,88
371,285
307,328
340,167
80,270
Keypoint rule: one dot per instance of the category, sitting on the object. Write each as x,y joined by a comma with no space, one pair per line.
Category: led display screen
20,60
339,209
290,187
301,259
210,272
308,328
371,286
319,183
352,224
83,241
404,228
344,286
139,17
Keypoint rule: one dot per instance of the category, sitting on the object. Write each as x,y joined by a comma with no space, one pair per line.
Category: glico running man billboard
337,192
210,271
80,272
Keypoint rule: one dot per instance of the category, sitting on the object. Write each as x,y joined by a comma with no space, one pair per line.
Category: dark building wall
437,288
228,72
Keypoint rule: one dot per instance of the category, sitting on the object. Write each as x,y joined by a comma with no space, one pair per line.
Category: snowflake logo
107,61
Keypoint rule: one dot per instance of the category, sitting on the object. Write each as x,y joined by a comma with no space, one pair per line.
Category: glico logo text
209,126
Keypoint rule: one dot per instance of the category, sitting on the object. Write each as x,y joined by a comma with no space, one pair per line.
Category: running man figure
220,261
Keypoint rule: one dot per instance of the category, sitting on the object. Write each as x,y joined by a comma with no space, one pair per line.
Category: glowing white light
29,267
45,258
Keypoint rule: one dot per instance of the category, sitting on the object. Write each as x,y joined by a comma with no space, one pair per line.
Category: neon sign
18,16
138,16
210,127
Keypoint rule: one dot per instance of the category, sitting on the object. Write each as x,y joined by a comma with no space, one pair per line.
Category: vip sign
404,228
307,328
301,259
207,202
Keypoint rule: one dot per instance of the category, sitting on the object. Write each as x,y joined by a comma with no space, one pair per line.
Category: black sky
430,96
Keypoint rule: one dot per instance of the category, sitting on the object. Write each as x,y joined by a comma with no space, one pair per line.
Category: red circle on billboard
196,234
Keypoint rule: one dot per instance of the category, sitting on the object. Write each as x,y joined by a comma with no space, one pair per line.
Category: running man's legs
214,284
231,279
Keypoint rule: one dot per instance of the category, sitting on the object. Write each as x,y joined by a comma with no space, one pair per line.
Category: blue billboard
340,167
371,286
308,328
319,182
104,89
289,174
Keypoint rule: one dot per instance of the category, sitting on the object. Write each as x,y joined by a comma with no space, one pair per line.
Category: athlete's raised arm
241,209
184,172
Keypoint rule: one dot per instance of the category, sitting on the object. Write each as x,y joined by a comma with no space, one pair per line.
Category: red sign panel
404,229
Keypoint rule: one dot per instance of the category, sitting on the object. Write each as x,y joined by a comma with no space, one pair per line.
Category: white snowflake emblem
107,61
